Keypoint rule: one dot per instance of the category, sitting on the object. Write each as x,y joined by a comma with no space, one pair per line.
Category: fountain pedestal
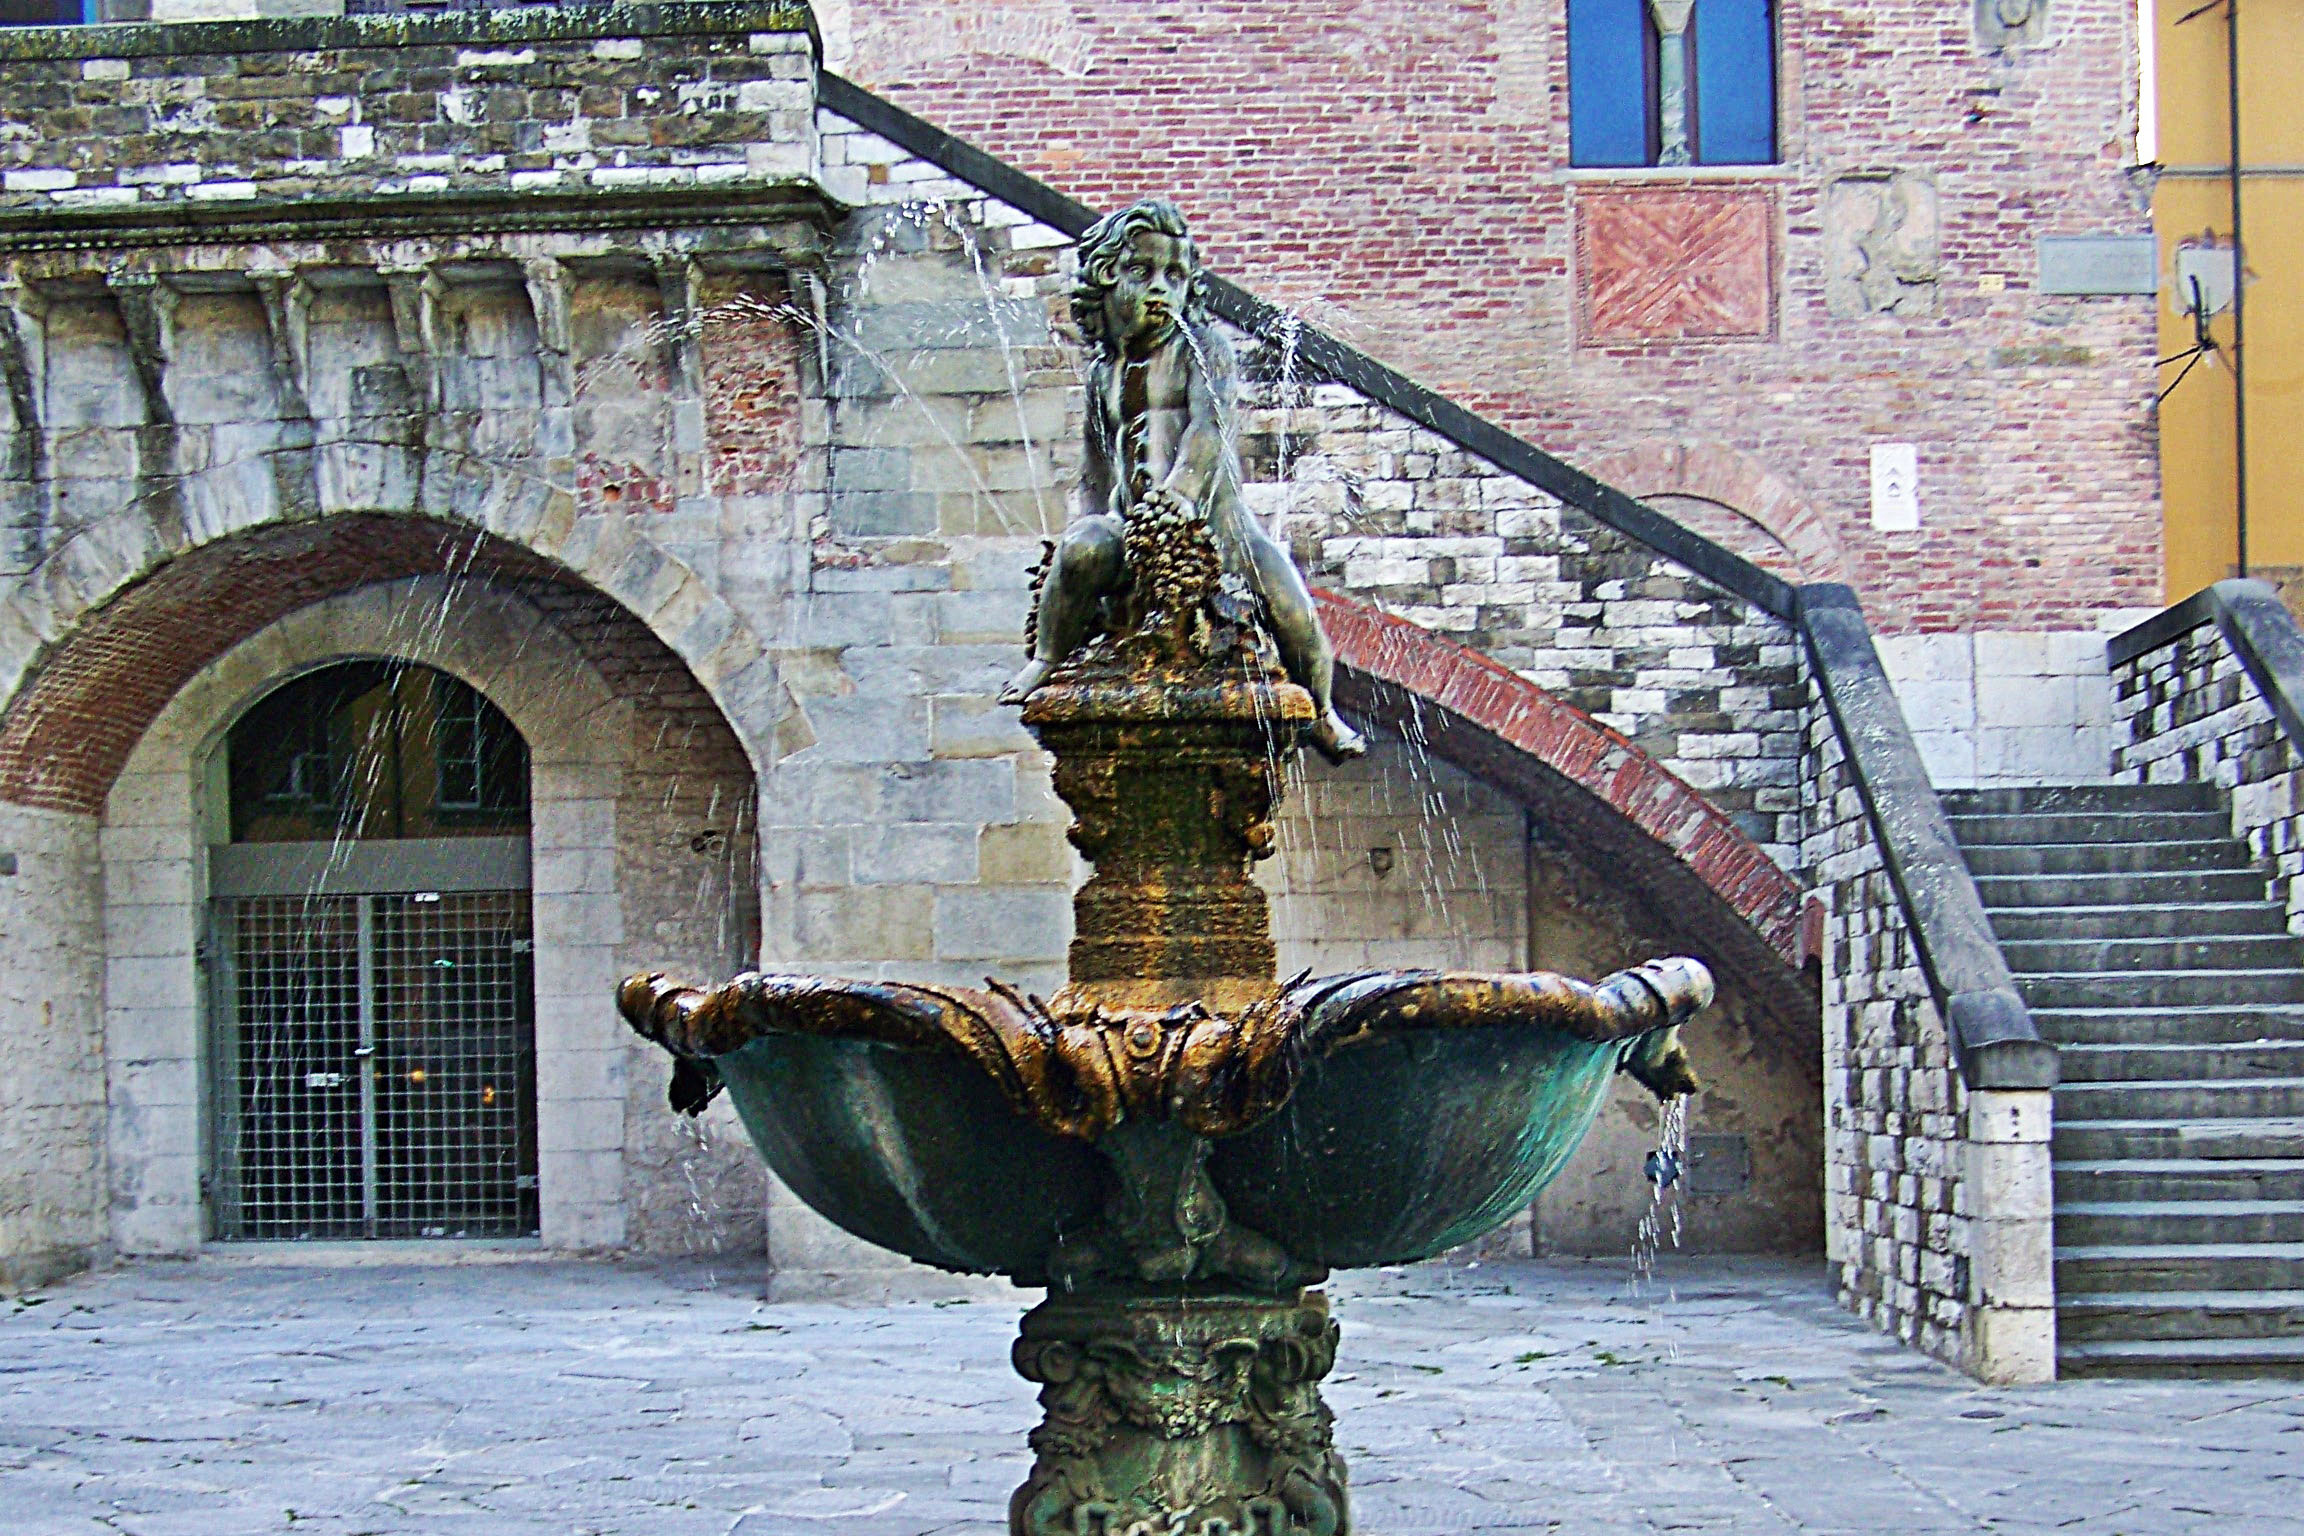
1199,1415
1171,776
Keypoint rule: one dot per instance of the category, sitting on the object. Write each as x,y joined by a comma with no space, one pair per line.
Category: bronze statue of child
1161,436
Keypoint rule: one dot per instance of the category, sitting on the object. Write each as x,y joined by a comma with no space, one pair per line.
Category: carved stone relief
2011,23
1883,245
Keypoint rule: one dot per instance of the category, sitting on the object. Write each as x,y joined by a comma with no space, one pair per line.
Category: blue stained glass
1735,82
1608,110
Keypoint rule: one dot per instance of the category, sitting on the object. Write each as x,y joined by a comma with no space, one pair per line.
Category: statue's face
1149,285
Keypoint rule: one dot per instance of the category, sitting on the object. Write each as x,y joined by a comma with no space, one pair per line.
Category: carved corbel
23,364
415,296
549,291
148,314
287,302
147,305
287,299
22,367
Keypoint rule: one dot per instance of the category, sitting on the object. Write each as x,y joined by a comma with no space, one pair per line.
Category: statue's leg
1086,564
1303,644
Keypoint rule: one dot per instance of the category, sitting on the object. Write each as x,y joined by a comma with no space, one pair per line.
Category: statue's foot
1034,674
1337,741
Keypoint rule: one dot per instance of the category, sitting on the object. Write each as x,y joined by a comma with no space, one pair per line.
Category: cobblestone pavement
224,1398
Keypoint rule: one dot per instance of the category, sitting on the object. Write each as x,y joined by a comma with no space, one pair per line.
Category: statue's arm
1211,393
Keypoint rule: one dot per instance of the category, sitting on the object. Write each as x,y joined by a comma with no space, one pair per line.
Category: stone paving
524,1397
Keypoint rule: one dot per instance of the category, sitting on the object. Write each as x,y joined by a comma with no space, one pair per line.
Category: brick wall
1399,173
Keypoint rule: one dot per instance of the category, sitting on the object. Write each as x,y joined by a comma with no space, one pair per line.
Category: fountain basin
1408,1113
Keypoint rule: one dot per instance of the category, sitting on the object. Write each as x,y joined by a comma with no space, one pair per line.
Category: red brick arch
130,635
1626,812
1741,484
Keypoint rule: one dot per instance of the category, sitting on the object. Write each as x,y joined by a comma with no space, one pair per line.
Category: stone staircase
2138,929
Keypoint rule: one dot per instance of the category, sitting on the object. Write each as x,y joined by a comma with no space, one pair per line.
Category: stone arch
582,746
140,659
1733,499
1625,812
87,622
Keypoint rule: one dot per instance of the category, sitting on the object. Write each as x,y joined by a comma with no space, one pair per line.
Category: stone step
2102,1223
2066,799
2180,1178
2219,885
2244,1139
2159,989
2124,1063
2139,920
2198,1316
2107,858
2205,1025
2230,1358
2241,1098
2092,827
2210,951
2179,1267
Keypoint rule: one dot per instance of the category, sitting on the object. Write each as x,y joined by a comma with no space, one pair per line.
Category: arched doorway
372,1040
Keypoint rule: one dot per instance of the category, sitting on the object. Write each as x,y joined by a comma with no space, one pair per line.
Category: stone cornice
409,216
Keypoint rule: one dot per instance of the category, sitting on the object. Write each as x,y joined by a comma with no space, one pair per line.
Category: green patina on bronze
1176,1143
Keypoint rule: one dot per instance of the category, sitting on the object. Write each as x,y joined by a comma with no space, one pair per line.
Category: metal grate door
376,1066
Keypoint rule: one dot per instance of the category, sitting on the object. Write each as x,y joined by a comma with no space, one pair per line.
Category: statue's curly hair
1107,241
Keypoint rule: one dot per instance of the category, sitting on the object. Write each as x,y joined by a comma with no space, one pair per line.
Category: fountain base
1193,1415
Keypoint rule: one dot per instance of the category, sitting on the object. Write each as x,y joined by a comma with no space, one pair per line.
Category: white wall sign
1895,487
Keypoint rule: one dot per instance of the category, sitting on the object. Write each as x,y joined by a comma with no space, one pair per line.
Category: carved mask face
1149,285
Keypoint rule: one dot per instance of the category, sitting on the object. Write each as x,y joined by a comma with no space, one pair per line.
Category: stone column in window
1673,103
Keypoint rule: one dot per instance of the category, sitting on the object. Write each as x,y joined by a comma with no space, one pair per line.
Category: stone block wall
524,100
2188,713
1894,1222
114,384
1998,708
1935,1207
52,1099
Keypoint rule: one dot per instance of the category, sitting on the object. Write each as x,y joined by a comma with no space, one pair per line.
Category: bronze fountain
1177,1144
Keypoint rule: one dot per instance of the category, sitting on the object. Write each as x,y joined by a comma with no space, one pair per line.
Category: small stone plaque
1719,1165
2099,264
1895,487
